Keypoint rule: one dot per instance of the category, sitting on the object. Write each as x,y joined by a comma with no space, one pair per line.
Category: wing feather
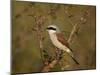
61,38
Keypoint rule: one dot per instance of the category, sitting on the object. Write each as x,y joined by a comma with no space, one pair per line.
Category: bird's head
52,29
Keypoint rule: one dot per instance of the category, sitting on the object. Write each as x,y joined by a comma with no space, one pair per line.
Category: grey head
53,28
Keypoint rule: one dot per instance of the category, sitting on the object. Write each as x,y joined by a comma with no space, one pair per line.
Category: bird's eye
51,28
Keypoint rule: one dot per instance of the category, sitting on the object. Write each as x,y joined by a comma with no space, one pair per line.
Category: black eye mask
51,28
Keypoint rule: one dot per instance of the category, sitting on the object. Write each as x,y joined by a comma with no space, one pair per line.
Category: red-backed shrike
59,41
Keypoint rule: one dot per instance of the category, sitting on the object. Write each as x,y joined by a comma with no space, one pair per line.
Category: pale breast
57,43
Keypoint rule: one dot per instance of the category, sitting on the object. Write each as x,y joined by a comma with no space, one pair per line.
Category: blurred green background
26,57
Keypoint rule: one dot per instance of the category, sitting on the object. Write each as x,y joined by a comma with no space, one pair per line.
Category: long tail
72,56
75,60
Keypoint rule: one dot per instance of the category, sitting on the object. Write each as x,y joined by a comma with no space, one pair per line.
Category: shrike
59,41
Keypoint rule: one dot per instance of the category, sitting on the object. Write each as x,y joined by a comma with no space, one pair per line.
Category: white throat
51,32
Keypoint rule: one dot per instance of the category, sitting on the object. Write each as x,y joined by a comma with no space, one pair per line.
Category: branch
39,23
82,20
48,67
72,32
75,28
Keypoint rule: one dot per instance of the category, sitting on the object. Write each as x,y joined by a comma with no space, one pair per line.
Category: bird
58,40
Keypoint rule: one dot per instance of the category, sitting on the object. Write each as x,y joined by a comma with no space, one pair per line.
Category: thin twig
72,33
75,28
39,22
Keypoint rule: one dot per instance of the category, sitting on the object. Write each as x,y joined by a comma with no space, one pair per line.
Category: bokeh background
26,54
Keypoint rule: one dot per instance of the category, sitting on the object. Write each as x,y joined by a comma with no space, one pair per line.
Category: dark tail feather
75,60
71,54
